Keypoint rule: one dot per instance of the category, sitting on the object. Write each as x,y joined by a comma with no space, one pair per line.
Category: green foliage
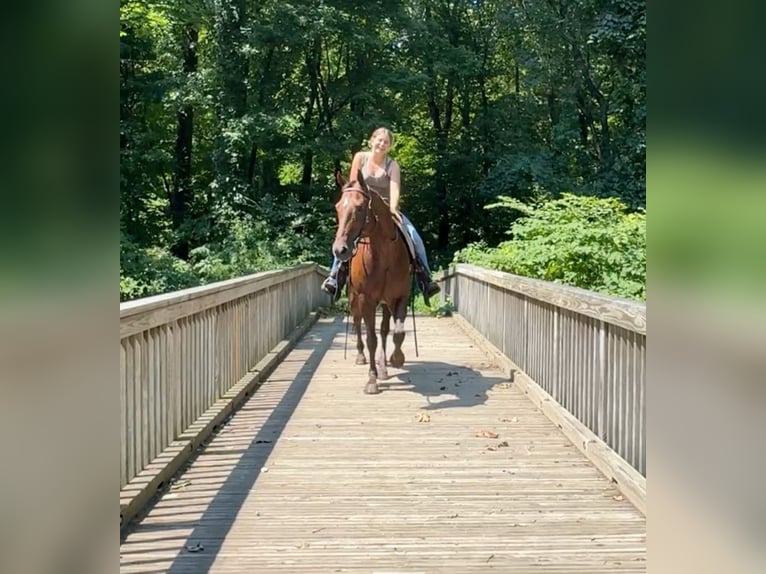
248,246
486,99
436,309
146,271
582,241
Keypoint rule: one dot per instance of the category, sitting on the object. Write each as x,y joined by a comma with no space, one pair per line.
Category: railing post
525,333
556,378
601,399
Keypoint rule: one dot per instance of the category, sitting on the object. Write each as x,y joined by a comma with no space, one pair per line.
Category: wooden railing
586,350
182,352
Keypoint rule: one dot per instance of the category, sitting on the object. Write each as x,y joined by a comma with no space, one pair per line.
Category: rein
368,208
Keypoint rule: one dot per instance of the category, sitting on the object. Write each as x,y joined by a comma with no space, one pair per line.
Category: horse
379,272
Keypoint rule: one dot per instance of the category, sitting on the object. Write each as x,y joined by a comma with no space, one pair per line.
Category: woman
381,173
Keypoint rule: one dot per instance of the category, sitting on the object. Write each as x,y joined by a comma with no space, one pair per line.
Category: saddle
342,275
407,240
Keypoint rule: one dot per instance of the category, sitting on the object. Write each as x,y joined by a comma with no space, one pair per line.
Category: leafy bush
582,241
248,245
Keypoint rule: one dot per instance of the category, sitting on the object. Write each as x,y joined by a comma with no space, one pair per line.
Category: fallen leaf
183,484
502,386
619,497
486,434
424,418
195,547
503,444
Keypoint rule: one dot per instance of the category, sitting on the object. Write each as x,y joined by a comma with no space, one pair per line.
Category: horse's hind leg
397,357
385,327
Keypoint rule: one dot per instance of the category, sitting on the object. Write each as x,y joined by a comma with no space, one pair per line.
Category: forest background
520,127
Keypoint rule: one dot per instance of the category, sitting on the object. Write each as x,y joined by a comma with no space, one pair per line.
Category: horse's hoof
397,359
380,362
361,360
371,389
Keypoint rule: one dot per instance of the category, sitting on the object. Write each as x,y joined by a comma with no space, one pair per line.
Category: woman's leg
417,241
428,287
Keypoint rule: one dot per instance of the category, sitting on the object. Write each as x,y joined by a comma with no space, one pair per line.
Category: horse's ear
339,179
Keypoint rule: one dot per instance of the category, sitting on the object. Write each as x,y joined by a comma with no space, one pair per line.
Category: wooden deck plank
311,475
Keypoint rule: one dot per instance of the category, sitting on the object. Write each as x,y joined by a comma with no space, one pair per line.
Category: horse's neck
384,221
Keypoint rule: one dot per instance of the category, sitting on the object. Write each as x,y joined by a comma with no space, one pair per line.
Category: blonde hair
379,131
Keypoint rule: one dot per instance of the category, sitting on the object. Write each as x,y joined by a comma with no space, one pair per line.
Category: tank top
380,184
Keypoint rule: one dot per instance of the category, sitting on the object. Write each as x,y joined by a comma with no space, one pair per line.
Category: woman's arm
395,176
353,173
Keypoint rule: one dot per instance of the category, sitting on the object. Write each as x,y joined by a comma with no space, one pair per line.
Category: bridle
367,210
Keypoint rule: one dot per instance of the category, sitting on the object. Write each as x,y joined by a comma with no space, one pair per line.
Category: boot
428,287
330,286
333,285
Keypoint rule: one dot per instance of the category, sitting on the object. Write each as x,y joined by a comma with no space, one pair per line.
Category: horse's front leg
368,312
385,327
356,309
400,313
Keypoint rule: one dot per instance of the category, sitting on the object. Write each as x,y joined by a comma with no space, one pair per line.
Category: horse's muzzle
342,250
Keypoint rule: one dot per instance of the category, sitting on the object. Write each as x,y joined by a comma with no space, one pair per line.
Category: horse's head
352,210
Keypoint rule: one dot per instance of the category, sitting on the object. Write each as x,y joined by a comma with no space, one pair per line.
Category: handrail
145,313
617,311
181,352
585,349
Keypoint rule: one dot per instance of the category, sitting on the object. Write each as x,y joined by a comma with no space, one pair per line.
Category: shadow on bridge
205,512
444,385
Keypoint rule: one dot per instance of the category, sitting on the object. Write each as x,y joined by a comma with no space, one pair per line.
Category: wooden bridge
513,442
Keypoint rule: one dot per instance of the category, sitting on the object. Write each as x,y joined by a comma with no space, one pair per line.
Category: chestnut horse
379,272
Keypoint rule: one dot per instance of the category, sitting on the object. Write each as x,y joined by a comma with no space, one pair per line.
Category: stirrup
427,287
330,286
429,290
433,288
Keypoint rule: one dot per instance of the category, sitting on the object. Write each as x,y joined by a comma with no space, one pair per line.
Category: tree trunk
442,133
312,64
181,194
232,67
308,164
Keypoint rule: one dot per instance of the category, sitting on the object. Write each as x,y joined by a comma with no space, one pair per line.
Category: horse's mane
356,185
